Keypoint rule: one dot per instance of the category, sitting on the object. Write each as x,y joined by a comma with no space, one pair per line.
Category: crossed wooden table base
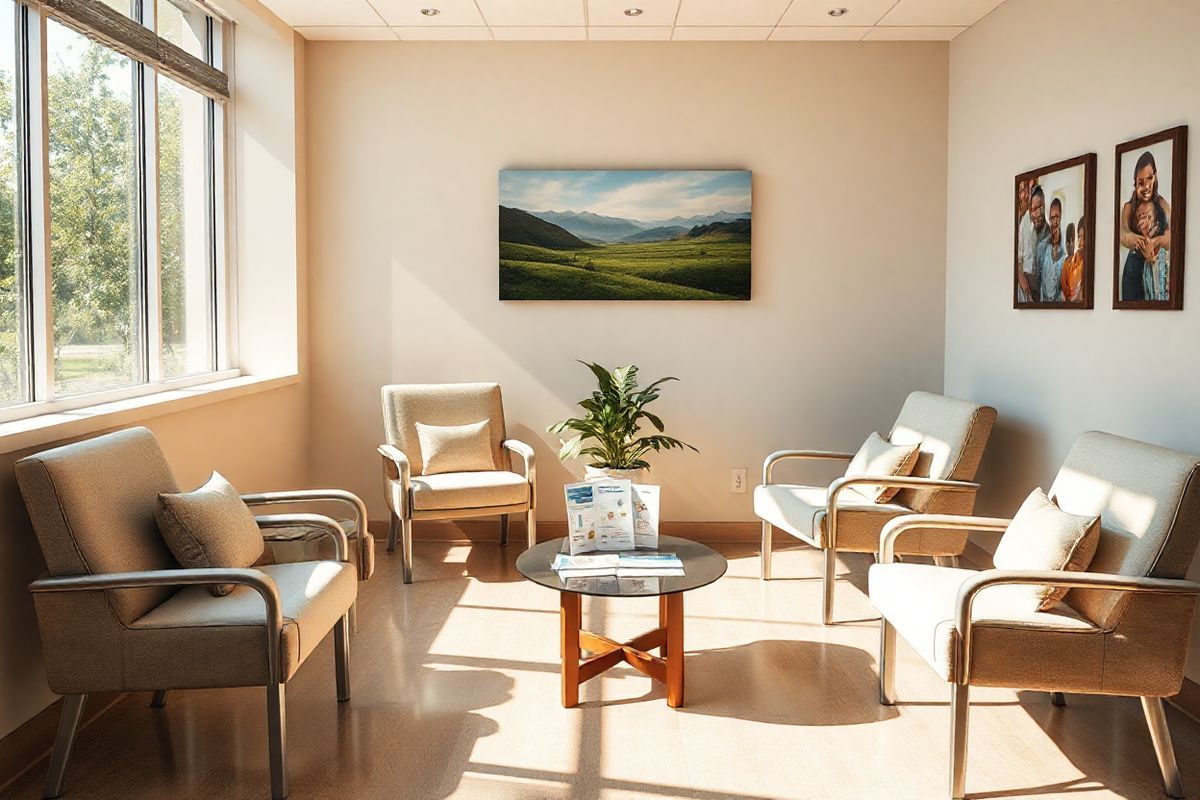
666,668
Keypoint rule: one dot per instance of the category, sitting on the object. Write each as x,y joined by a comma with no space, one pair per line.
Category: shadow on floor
811,683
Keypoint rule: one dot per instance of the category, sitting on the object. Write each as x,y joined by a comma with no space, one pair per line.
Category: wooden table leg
674,648
662,623
569,624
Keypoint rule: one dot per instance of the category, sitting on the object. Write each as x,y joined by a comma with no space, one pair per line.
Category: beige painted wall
1114,71
847,144
258,441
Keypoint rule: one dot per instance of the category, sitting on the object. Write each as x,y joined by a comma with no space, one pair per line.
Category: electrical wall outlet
737,480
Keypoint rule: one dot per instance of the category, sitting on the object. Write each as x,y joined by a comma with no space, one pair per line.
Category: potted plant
609,431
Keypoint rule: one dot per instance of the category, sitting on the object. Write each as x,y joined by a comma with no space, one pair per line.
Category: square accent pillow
456,448
879,457
1043,536
210,527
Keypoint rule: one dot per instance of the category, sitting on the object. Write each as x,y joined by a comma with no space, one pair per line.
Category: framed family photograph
1055,214
1148,228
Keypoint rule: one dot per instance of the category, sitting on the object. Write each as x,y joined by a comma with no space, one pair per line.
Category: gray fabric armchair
116,593
1122,629
413,495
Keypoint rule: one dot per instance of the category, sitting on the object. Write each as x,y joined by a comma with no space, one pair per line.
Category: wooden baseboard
31,743
487,529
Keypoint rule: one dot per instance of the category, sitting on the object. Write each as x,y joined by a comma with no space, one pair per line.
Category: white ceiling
605,20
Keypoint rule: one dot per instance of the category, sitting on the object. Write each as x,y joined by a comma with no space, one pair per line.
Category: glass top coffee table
701,566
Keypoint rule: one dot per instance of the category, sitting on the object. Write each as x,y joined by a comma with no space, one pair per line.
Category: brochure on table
611,515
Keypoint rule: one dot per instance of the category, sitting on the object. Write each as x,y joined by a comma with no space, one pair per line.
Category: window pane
124,6
182,24
184,241
93,202
13,360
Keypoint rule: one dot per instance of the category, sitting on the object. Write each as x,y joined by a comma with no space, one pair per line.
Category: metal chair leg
827,583
393,524
1160,734
953,561
277,740
406,554
767,542
1058,699
341,654
530,528
958,740
68,726
504,530
159,700
887,663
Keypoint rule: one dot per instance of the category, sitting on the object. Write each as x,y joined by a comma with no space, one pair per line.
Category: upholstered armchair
952,435
1123,627
118,613
412,494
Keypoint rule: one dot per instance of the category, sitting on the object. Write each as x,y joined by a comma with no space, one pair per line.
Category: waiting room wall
847,145
1031,84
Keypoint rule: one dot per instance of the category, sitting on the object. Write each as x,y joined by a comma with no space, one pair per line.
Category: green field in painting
693,269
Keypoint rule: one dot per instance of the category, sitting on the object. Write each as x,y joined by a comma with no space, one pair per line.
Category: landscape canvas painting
625,235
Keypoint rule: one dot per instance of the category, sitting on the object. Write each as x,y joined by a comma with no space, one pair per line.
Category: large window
111,219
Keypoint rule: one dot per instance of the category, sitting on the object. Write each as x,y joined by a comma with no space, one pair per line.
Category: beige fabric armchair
1123,627
952,435
412,495
116,595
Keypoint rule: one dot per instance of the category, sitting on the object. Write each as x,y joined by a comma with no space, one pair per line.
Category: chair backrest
92,507
952,434
1148,500
404,405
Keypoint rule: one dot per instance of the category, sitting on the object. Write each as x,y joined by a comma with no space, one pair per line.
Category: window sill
44,428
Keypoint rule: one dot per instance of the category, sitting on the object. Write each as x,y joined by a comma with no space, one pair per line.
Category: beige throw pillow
1043,536
210,527
879,457
456,448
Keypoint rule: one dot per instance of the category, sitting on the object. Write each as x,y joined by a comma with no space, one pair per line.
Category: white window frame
39,379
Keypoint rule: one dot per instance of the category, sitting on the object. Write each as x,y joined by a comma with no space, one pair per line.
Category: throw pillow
1043,536
210,527
879,457
456,448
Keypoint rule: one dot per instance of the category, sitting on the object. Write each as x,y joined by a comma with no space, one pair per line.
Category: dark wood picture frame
1178,223
1088,162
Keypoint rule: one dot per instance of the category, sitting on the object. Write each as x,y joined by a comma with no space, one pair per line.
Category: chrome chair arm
809,455
958,522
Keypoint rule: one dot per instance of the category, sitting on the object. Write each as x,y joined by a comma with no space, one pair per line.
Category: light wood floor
456,694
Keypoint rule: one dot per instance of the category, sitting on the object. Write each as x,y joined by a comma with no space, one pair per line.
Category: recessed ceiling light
838,12
433,12
633,12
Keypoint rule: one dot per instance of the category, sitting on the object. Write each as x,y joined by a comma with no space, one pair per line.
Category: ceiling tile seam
786,9
883,16
371,6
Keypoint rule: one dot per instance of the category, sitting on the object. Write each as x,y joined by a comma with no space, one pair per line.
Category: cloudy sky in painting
632,194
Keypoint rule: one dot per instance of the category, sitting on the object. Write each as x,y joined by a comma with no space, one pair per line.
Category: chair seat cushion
195,640
1013,645
451,490
800,511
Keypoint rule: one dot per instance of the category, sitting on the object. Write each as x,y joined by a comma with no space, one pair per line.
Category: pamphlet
645,516
621,565
599,516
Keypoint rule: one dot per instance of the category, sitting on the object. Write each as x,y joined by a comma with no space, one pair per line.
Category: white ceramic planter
600,473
